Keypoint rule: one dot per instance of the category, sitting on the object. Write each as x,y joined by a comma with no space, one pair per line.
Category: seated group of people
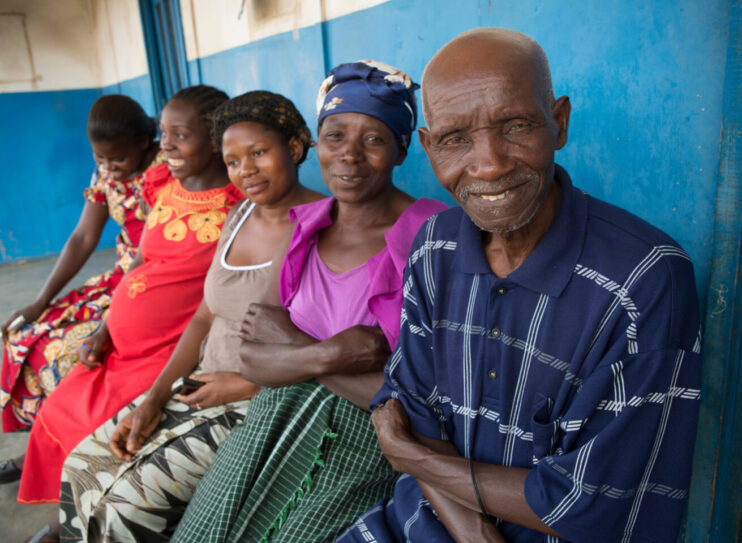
521,352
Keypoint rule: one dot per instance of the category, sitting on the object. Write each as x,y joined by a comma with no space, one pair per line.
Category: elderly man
546,381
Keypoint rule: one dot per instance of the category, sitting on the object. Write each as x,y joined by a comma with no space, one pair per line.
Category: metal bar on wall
715,501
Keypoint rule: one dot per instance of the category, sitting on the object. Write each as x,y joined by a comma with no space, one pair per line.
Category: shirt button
495,333
501,290
492,374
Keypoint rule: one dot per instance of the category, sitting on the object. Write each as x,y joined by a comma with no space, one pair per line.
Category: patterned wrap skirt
104,498
303,465
39,355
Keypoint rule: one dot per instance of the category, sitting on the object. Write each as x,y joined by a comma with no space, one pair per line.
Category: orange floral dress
149,310
37,356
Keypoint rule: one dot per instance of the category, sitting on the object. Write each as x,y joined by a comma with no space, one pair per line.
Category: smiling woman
260,160
305,462
263,140
345,137
184,141
155,300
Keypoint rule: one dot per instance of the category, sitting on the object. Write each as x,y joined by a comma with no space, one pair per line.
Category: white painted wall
75,44
119,39
69,44
211,27
57,35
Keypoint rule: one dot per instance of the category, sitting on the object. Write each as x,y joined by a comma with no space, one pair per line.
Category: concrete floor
19,284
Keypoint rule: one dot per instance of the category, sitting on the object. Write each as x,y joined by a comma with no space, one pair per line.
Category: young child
41,339
189,198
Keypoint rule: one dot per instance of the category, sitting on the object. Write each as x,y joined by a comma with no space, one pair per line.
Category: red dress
149,310
39,355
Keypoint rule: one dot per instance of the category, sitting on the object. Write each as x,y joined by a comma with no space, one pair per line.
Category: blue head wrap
375,89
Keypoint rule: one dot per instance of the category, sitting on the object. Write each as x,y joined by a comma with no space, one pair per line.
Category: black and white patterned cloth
107,499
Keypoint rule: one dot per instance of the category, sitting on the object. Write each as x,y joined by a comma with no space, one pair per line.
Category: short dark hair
272,110
205,99
115,117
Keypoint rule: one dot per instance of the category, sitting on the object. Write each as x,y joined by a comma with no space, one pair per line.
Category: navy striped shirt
583,365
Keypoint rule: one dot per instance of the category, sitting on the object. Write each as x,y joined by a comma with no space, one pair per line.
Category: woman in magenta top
305,461
370,294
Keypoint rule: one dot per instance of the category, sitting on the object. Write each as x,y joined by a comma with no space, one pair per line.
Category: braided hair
204,98
272,110
115,117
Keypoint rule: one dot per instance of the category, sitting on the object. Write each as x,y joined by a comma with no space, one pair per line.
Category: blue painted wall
46,163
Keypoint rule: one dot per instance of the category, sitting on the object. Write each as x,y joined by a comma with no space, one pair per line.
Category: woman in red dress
41,347
189,199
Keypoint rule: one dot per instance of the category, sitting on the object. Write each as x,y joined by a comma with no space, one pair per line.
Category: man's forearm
501,488
464,524
439,465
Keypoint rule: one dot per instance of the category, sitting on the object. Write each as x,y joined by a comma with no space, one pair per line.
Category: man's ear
560,111
424,136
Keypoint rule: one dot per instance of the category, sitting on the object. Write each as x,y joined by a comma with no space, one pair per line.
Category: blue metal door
166,52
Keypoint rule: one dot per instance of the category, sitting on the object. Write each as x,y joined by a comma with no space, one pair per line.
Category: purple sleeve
309,219
387,269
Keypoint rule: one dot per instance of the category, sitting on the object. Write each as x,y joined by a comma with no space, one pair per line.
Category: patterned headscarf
373,88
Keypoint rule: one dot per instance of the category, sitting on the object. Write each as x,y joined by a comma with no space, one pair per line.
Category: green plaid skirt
302,466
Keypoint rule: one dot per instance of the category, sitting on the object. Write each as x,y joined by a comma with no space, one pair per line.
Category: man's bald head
493,127
488,49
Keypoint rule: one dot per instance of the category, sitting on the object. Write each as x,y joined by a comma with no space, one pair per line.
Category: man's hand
361,349
221,388
398,442
271,324
134,429
92,351
393,430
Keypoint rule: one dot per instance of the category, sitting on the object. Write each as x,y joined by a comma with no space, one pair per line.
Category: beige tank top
228,291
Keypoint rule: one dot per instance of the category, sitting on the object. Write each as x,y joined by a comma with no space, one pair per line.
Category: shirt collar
549,267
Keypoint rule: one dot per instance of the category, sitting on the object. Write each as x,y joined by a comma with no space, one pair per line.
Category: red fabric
39,355
157,177
149,310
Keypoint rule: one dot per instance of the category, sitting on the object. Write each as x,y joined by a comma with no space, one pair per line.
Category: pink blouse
385,270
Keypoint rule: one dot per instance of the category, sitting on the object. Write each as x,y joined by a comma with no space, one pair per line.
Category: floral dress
149,311
37,356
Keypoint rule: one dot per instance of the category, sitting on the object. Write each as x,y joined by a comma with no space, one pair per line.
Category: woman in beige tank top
133,477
